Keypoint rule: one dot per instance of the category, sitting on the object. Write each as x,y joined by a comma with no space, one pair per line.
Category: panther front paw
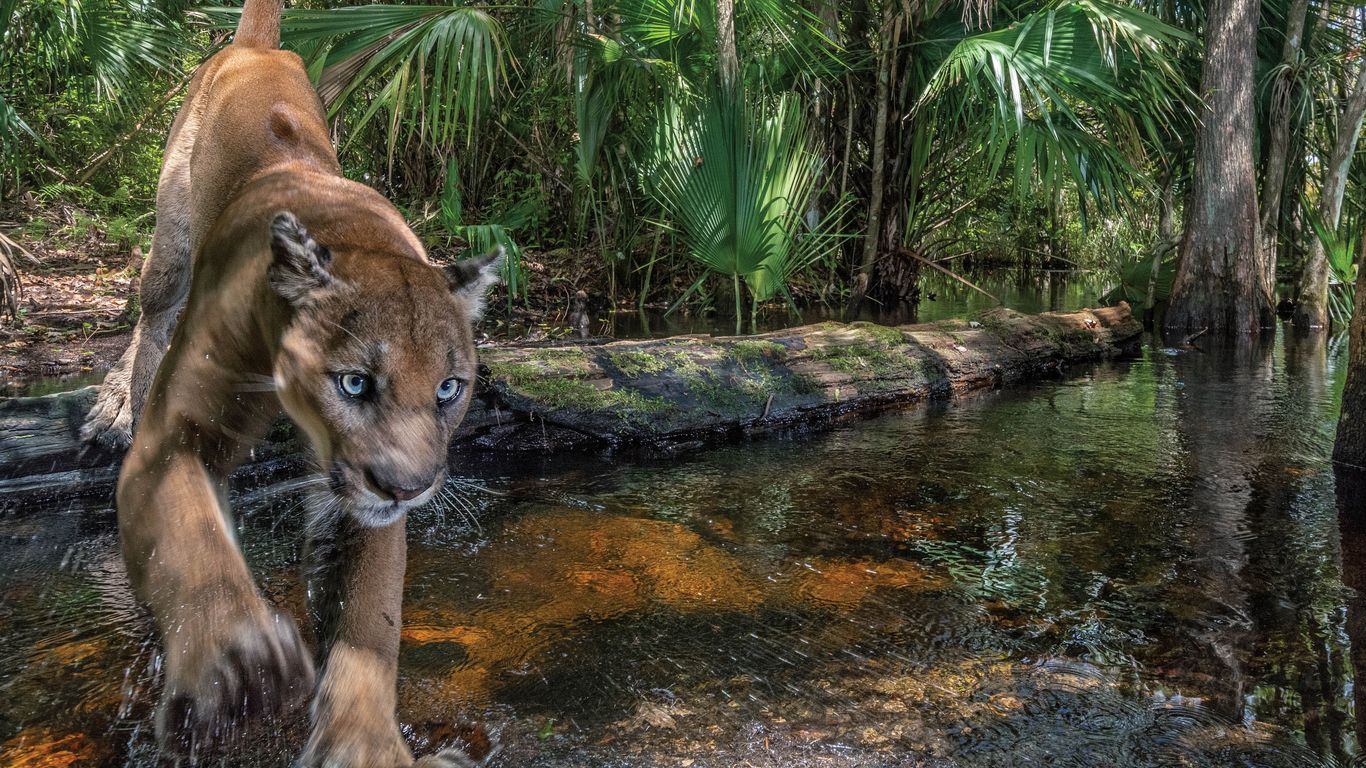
341,748
355,740
110,422
447,758
258,668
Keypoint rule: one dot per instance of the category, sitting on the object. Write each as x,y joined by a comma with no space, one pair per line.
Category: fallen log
669,394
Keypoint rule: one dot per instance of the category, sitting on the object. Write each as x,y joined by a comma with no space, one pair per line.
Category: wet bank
1139,566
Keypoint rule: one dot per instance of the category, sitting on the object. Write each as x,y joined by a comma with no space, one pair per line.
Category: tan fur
298,275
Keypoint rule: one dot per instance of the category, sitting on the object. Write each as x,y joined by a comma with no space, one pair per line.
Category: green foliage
539,124
484,237
87,58
1340,247
735,179
1135,275
430,70
1069,91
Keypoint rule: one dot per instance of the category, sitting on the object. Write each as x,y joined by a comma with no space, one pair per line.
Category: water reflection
942,297
1140,566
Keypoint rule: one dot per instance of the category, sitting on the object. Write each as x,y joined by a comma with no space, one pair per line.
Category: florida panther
304,292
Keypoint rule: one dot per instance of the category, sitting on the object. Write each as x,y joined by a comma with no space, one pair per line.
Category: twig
948,272
89,170
527,150
8,245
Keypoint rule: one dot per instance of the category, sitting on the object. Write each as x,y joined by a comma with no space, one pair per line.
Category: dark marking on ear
470,279
300,265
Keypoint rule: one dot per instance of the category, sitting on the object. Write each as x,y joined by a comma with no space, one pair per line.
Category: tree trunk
1222,284
1312,308
1351,503
728,59
873,237
1350,446
1278,142
674,394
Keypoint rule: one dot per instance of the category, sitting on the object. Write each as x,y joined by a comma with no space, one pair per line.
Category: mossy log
664,394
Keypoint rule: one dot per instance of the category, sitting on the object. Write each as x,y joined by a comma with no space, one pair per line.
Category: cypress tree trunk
1222,284
1312,309
1350,446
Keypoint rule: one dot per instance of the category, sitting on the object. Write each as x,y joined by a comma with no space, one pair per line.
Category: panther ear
301,263
470,279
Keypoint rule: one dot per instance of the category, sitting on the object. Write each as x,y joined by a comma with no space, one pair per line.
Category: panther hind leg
165,285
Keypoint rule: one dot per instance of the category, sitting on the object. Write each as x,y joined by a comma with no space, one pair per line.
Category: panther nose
404,494
394,490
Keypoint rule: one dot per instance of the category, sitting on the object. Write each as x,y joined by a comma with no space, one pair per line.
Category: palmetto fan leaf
438,65
108,46
122,46
112,42
734,179
611,74
442,62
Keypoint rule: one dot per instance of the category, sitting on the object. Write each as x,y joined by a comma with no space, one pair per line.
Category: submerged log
668,394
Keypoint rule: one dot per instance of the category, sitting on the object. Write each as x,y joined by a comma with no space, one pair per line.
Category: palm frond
735,179
1074,88
122,47
113,43
434,66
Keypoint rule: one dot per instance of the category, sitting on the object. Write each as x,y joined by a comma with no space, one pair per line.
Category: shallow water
1141,565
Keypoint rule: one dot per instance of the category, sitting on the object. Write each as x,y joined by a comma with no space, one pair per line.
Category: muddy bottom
1142,566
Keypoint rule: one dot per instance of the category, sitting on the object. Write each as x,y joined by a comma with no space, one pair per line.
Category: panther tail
260,24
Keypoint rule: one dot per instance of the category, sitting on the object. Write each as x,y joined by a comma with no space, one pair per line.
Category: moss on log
666,393
660,392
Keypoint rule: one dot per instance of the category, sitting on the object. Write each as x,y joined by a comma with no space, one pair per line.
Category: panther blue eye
353,384
448,390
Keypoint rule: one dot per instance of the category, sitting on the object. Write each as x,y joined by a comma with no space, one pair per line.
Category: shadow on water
1142,565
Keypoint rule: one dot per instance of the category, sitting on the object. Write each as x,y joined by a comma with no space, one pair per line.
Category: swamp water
942,297
1140,565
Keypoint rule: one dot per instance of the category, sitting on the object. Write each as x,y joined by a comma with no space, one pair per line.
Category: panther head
377,363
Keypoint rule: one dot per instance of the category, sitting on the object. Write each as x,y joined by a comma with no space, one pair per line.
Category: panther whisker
256,382
466,484
461,506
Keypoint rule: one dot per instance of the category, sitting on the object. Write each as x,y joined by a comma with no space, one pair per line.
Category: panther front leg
228,656
356,578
